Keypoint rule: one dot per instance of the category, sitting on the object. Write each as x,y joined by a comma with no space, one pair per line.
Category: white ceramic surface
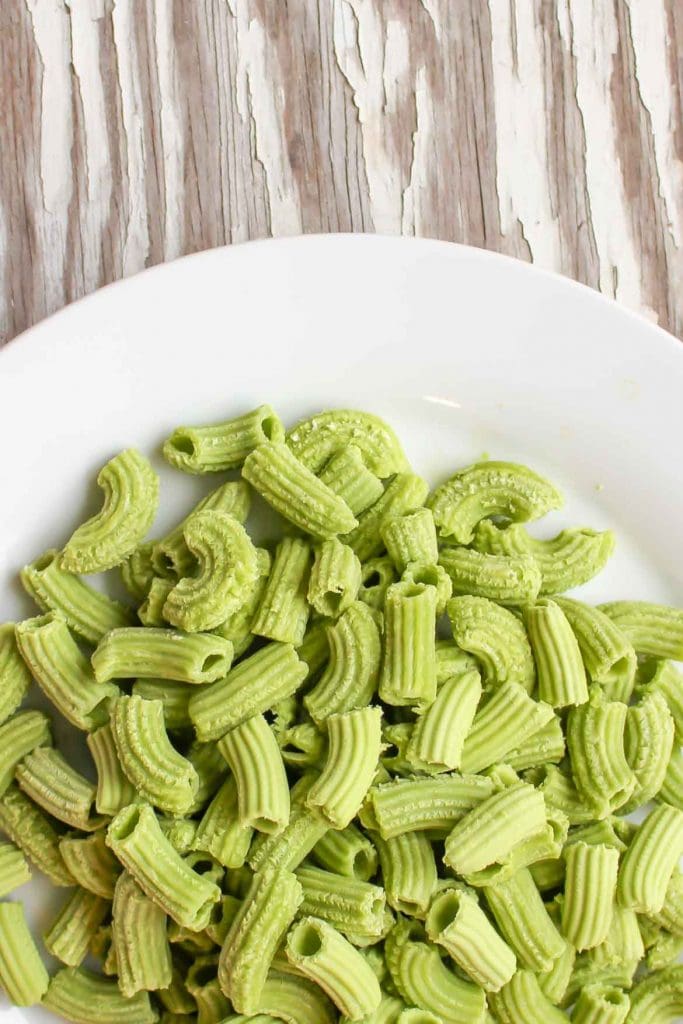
464,352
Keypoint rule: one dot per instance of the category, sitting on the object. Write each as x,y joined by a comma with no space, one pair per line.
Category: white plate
464,352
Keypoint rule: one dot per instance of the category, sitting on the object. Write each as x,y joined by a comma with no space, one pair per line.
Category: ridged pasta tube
560,792
254,758
590,885
220,833
162,654
143,954
171,556
487,489
559,665
607,652
292,999
22,973
671,791
657,998
408,872
304,829
347,475
522,1001
430,574
351,906
405,493
14,869
296,493
136,839
335,578
601,1004
421,803
457,922
151,611
436,742
70,934
410,538
50,781
14,673
114,790
524,922
159,773
347,852
237,627
283,611
354,742
25,732
566,561
63,672
544,844
496,638
174,695
654,629
247,953
131,496
663,677
545,746
408,673
250,688
89,613
649,861
509,717
90,863
377,575
30,829
317,949
514,579
137,571
81,996
316,439
220,446
350,677
595,738
227,570
648,743
203,986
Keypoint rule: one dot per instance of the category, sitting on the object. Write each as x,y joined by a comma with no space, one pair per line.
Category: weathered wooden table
133,131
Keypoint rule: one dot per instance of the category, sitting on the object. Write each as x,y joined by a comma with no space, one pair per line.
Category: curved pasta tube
30,830
137,571
377,575
293,999
237,627
254,758
408,672
408,872
265,915
607,652
353,907
457,922
546,746
487,489
14,869
541,846
159,773
595,738
221,446
671,791
14,673
648,743
424,981
81,996
590,885
22,734
211,770
174,695
318,438
89,613
347,475
136,839
289,847
601,1004
657,998
22,973
63,672
437,740
143,954
131,496
524,922
561,673
351,674
151,611
452,661
654,629
560,793
162,653
487,833
496,638
227,569
522,1001
335,578
406,492
664,678
90,863
354,739
47,778
431,575
220,833
320,953
650,860
509,716
70,934
296,493
571,558
250,688
283,611
202,984
554,983
114,790
410,538
506,579
302,745
347,852
423,803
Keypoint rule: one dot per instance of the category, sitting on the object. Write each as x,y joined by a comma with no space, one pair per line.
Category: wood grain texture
133,131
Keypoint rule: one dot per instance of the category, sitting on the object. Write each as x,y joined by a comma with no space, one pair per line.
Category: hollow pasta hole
211,661
127,823
444,911
377,907
363,867
270,425
45,561
373,580
305,940
204,975
182,443
332,601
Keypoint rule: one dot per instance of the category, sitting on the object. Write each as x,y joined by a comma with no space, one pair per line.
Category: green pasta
508,717
30,830
508,580
649,862
14,869
151,611
408,872
292,999
237,627
607,653
590,885
560,792
351,906
524,922
137,571
15,677
405,493
318,438
254,758
663,677
522,1001
648,743
430,575
202,983
162,653
571,558
496,638
175,697
136,839
354,739
86,611
418,804
69,937
221,446
131,494
91,863
283,612
671,791
457,922
601,1004
114,790
22,973
653,629
139,932
436,743
63,672
377,575
81,996
335,578
350,676
252,687
49,780
346,474
158,772
410,538
25,732
220,832
545,746
267,911
452,661
347,852
657,998
559,665
316,949
305,828
595,738
408,673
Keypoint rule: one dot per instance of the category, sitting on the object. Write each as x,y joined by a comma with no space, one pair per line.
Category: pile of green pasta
375,769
